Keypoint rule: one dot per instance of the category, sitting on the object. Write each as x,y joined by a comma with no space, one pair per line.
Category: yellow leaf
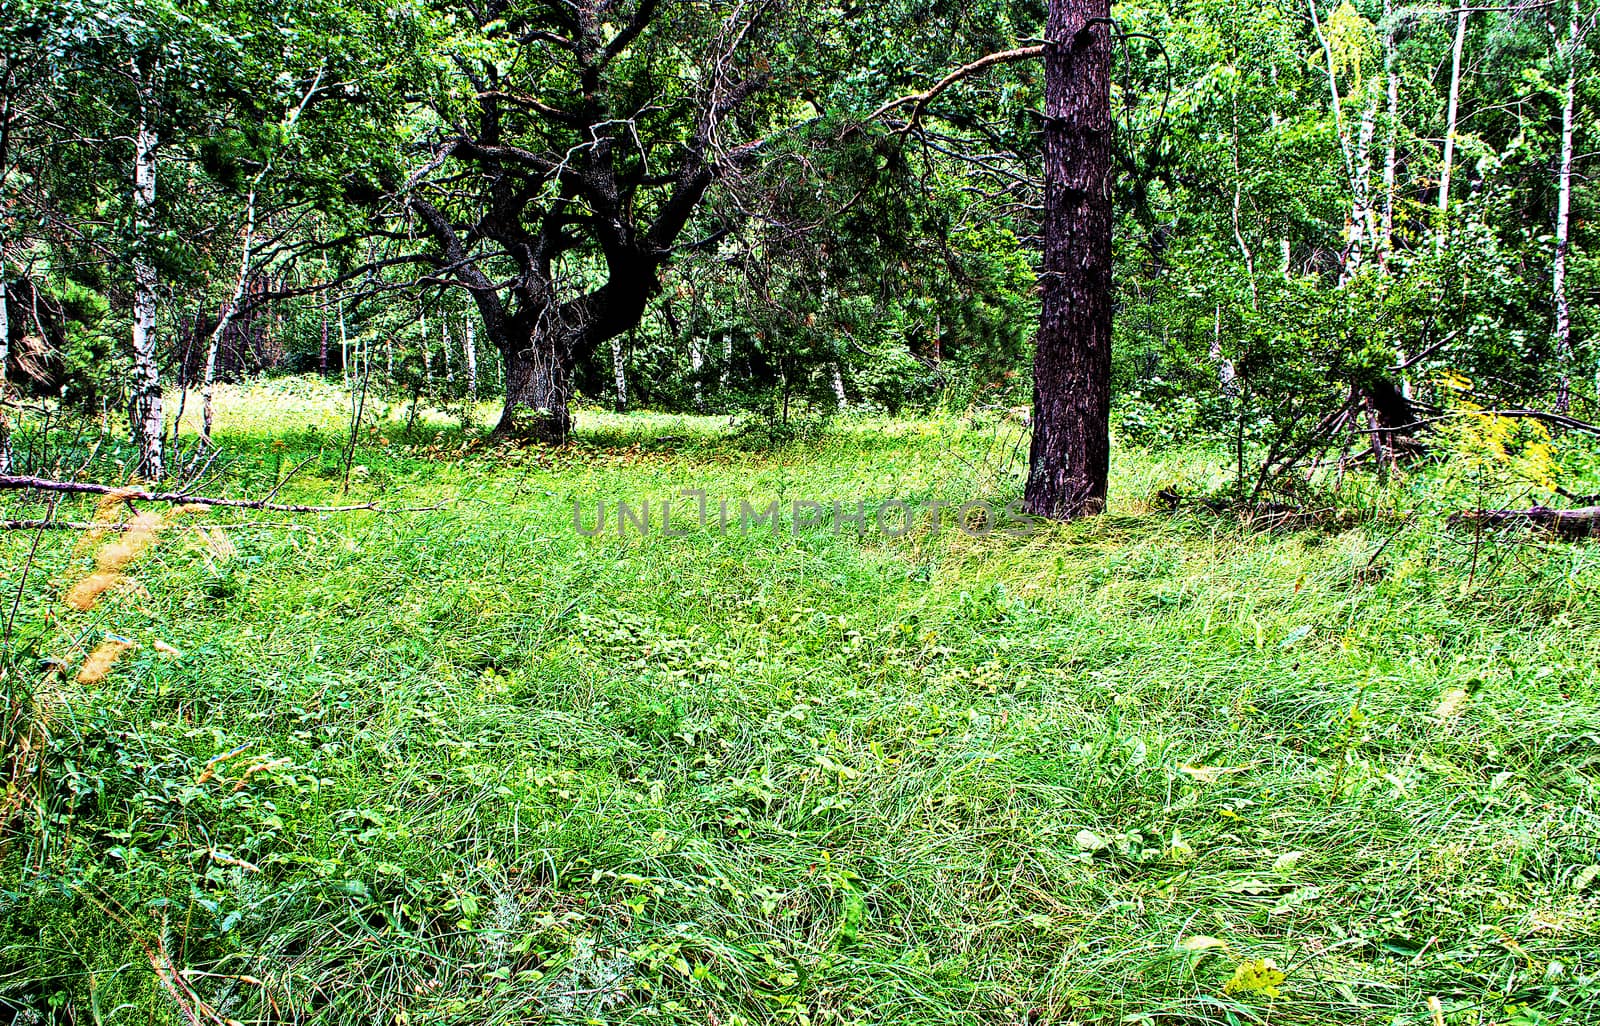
1200,942
1256,976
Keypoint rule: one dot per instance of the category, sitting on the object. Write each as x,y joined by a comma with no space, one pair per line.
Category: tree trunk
470,351
1558,275
322,347
208,383
619,369
837,375
538,390
5,315
1363,228
1391,68
1069,459
5,356
696,365
1450,129
344,347
145,409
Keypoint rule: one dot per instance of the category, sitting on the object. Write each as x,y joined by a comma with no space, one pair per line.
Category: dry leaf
102,659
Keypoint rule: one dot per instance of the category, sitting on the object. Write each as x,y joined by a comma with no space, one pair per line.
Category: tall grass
465,765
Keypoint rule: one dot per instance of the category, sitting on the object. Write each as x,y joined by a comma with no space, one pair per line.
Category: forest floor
467,765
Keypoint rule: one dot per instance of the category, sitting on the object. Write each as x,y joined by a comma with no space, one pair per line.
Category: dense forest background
1368,214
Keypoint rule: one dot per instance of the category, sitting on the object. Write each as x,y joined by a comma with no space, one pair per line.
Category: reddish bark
1069,459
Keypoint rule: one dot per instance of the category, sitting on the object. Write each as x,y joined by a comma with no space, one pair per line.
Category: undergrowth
464,765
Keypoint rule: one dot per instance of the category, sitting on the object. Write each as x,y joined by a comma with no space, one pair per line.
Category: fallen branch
1555,419
140,495
85,525
1566,523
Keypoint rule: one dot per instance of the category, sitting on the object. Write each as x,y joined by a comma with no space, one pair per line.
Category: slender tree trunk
1450,129
1363,227
469,345
1558,271
838,385
696,365
444,349
1227,375
427,356
1285,251
1391,70
727,361
209,381
322,347
1069,458
145,409
5,356
1347,151
619,369
344,346
5,314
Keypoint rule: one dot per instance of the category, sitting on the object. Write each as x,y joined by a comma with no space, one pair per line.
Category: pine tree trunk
145,409
1558,275
1069,459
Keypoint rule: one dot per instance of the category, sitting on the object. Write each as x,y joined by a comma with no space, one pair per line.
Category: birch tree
145,403
1571,55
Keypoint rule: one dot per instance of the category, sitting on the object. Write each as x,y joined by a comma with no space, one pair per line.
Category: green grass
509,774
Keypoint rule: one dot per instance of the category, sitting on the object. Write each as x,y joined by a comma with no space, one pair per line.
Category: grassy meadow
454,762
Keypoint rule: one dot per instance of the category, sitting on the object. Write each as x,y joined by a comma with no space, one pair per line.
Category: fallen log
1565,523
43,484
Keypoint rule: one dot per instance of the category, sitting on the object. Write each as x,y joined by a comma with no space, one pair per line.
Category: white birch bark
344,346
1451,108
696,364
1391,70
145,409
470,352
619,370
208,382
1558,270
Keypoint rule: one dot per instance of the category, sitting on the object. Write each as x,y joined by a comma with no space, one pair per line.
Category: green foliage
464,765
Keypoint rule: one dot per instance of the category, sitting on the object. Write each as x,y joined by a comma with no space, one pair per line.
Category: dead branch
85,525
140,495
1565,523
922,99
